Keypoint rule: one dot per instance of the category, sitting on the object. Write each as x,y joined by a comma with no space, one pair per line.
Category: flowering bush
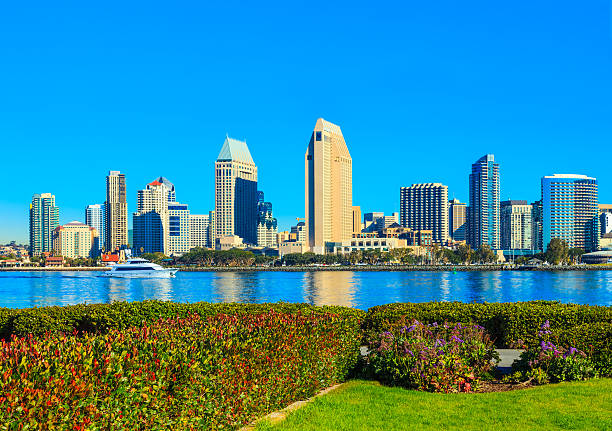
438,358
187,373
548,362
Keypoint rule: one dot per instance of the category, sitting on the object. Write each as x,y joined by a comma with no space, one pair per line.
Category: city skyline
456,82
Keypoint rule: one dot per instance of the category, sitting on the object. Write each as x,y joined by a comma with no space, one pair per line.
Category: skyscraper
516,225
570,211
151,221
44,218
94,217
116,230
425,207
236,192
356,220
199,230
537,215
179,229
457,220
483,212
329,187
267,225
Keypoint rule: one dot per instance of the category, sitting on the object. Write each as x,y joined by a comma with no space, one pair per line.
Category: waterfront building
483,210
44,218
425,207
75,240
329,187
94,217
299,233
199,228
371,221
169,187
516,228
116,221
537,215
570,210
212,230
356,219
605,218
457,220
151,221
179,229
236,192
228,242
267,225
364,244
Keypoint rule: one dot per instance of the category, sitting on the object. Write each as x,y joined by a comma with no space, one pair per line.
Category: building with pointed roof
236,192
329,187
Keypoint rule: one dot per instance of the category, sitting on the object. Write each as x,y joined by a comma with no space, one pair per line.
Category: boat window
134,268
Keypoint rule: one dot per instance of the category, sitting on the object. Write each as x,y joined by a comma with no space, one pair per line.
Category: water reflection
329,288
356,289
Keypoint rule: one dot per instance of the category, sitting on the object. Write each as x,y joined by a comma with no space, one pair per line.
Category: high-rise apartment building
75,240
94,217
605,218
537,215
236,192
329,187
570,211
457,220
44,218
116,228
372,221
179,229
483,211
199,230
425,207
169,186
267,226
356,220
516,225
151,222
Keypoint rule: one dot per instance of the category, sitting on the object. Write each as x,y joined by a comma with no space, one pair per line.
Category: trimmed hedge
99,318
508,323
216,372
595,339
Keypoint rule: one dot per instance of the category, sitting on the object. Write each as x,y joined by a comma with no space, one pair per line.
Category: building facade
199,227
44,219
179,229
329,187
94,217
116,221
151,221
570,210
357,225
516,225
75,240
425,207
457,220
605,218
537,215
267,226
236,192
483,210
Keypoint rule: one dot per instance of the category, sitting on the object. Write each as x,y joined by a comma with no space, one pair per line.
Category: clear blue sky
420,89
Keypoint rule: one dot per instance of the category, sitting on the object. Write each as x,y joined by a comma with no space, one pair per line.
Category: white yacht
140,268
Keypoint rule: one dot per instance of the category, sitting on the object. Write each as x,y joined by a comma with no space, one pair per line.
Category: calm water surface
356,289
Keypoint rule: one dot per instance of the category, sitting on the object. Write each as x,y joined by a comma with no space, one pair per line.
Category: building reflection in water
484,286
329,288
135,289
235,287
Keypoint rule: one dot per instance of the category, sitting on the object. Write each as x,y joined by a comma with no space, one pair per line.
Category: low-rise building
228,242
363,244
75,240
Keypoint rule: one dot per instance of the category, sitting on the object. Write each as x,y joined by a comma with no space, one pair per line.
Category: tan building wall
116,211
356,219
329,192
75,240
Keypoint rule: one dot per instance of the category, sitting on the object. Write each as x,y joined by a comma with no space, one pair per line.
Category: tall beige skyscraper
329,187
236,192
116,211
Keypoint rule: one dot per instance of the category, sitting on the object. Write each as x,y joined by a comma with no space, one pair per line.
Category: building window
318,136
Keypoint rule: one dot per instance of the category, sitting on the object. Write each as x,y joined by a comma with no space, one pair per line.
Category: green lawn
362,405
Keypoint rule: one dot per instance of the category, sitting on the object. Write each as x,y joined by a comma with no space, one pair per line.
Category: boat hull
161,273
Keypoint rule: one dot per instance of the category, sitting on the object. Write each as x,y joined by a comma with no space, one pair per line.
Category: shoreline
354,268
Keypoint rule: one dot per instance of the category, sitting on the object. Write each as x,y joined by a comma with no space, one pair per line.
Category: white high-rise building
236,192
179,235
151,220
94,217
516,225
200,230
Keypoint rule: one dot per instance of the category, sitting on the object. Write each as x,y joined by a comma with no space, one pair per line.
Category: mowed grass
363,405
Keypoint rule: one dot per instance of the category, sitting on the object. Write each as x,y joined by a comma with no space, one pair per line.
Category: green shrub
210,372
595,339
508,323
120,315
